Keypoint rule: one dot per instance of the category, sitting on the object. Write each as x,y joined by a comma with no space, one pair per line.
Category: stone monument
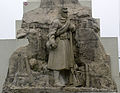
64,54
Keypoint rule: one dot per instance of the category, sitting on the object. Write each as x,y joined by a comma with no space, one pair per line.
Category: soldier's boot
57,79
64,77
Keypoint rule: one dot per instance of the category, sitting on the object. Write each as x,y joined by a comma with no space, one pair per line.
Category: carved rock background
93,62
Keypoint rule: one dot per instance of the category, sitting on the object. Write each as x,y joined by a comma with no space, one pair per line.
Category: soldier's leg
68,77
62,77
56,76
71,78
57,79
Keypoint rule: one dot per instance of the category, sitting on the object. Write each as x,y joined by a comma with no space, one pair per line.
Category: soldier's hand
54,46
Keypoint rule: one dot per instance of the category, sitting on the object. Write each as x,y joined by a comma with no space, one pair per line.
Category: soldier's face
65,15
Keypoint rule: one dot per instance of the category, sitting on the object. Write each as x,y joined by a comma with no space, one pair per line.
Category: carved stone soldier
61,57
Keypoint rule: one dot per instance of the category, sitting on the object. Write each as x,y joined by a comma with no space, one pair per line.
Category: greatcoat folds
62,57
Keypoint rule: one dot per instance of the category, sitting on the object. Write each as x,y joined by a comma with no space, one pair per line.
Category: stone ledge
58,90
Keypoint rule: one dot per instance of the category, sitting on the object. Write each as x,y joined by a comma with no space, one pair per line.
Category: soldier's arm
53,28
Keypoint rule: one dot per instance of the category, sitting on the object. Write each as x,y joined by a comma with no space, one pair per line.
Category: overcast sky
106,10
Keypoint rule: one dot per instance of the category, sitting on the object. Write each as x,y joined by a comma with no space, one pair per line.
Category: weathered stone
30,70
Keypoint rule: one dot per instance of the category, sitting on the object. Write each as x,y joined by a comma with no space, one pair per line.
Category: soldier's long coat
61,58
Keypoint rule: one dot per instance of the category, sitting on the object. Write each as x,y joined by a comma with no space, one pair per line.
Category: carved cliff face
53,3
33,38
91,68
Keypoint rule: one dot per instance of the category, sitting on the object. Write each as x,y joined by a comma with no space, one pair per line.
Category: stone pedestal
58,90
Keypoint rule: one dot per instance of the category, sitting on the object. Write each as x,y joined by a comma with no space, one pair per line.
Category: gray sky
106,10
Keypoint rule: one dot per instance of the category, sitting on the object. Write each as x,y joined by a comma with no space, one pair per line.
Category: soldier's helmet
63,10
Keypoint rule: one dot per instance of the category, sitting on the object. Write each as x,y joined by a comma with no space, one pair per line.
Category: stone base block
56,90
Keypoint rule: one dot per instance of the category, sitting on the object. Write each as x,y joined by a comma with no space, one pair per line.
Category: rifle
77,82
75,77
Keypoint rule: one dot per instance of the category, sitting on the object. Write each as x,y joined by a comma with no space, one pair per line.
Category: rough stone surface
28,72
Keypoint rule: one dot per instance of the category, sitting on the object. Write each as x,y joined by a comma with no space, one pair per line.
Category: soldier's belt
64,37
